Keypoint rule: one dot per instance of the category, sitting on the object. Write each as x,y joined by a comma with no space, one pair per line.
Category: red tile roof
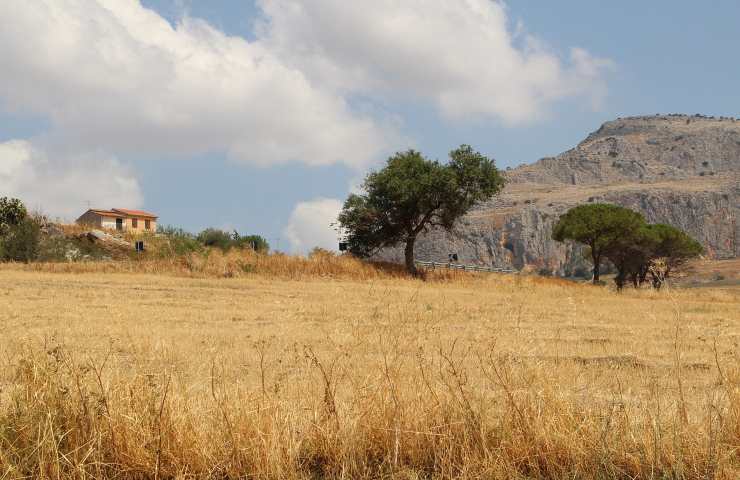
108,213
123,212
134,213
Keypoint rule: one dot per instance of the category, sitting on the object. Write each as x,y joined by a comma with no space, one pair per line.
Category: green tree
255,242
631,254
12,213
597,225
212,237
410,195
21,242
674,247
639,252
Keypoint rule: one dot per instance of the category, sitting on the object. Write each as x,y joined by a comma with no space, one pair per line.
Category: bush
179,242
211,237
12,213
21,242
255,242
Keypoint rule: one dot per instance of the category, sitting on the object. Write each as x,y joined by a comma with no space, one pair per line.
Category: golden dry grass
236,263
295,373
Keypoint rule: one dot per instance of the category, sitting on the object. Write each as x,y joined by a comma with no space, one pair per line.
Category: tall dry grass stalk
116,376
240,263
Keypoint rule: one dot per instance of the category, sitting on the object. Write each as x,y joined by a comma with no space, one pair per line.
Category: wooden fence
467,268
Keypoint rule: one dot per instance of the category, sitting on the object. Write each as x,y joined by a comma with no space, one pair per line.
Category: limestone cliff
675,169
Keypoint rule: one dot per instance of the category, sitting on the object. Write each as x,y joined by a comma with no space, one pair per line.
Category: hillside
676,169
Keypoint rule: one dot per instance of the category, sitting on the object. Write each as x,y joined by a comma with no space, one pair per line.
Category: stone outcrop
675,169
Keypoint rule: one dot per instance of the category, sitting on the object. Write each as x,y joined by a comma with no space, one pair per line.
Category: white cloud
310,224
111,74
460,54
63,187
113,77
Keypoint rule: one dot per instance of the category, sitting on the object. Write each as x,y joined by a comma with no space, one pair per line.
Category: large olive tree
412,194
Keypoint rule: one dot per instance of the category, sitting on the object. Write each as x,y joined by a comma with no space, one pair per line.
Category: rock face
675,169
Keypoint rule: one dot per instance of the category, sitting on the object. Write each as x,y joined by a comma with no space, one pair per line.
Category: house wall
108,222
141,225
92,219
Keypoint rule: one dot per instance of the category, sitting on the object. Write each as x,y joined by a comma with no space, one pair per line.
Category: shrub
179,241
255,242
21,242
212,237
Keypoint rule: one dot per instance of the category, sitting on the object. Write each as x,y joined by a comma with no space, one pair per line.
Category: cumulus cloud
460,55
63,187
310,224
112,74
115,79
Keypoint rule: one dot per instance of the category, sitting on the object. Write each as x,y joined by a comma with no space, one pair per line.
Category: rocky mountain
676,169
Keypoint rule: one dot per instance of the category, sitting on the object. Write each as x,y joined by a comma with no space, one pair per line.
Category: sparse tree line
413,194
22,239
181,241
622,237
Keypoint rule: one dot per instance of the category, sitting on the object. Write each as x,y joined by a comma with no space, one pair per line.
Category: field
147,375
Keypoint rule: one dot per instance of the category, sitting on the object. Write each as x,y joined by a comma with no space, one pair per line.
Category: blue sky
642,58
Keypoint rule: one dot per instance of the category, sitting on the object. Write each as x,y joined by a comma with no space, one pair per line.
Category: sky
263,115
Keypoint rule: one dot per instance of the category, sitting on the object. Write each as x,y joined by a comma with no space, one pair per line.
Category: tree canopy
19,233
212,237
12,213
673,244
625,239
596,225
412,194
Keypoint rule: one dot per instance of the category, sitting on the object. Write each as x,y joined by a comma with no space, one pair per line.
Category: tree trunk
657,282
597,266
620,279
644,269
409,253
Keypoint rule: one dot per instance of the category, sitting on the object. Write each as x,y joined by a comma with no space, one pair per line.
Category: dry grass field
110,373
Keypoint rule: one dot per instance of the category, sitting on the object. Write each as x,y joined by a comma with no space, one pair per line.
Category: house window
148,224
119,224
134,223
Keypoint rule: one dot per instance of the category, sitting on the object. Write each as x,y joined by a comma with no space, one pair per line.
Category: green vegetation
20,243
26,238
19,233
597,226
179,241
674,245
212,237
410,195
12,213
623,237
